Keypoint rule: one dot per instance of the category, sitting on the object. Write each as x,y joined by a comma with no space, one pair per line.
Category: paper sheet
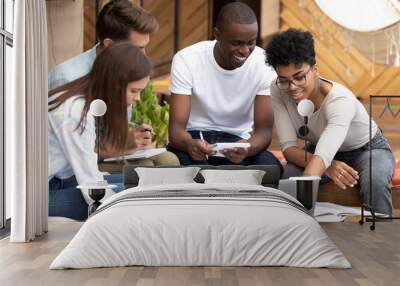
139,154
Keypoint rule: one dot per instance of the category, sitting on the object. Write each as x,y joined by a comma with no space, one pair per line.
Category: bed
200,224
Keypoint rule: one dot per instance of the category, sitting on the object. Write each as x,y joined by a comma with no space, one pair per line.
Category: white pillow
166,176
248,177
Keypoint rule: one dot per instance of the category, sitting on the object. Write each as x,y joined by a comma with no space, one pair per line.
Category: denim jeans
66,200
262,158
383,163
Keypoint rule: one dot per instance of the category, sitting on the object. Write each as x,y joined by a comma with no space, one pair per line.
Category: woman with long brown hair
118,75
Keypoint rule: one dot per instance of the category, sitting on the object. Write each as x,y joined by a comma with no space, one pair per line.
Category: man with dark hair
121,20
338,128
235,13
118,20
220,93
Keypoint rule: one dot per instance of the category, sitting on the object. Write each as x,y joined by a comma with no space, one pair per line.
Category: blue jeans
66,200
262,158
382,171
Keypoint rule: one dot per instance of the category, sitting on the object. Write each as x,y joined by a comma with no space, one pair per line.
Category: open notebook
217,147
139,154
329,212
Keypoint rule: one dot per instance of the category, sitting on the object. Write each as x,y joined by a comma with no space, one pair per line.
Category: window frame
6,39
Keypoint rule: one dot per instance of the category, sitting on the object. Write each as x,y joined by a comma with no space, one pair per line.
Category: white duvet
225,225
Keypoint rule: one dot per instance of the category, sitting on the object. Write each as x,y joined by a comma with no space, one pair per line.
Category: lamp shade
98,107
305,107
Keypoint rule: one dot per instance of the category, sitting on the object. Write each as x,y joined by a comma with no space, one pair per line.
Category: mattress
200,225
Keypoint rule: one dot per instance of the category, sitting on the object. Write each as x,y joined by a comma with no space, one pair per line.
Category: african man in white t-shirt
221,93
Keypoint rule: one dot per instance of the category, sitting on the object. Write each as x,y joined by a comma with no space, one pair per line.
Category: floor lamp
96,190
368,206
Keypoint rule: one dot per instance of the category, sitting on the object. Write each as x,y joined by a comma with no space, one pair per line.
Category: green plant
149,111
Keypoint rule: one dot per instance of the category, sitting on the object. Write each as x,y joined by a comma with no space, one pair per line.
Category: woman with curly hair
338,128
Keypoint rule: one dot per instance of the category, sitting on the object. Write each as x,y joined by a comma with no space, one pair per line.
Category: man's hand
236,155
198,149
141,137
342,174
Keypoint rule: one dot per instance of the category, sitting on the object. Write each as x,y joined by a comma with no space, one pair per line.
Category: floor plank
375,257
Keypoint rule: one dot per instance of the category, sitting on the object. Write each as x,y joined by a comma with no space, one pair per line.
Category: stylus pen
202,139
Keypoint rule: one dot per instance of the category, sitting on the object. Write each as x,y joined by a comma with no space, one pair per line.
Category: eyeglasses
299,81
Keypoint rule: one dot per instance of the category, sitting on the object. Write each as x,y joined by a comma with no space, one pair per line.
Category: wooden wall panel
193,18
334,57
162,42
89,26
193,22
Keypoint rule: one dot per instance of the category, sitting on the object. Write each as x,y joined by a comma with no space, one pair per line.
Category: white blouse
71,151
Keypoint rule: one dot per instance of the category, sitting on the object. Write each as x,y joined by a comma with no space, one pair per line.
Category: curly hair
290,47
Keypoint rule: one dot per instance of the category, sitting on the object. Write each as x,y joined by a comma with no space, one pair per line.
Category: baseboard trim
5,231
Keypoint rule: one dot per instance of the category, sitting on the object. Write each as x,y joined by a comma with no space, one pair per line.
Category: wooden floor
375,256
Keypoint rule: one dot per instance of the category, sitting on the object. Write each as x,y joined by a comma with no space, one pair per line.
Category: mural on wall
338,57
373,27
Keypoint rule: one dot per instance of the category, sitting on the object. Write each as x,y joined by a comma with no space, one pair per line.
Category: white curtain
26,124
372,27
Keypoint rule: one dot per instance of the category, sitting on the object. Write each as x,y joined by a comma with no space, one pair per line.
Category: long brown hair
115,67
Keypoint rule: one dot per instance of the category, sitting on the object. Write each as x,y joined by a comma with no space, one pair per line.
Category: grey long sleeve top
340,124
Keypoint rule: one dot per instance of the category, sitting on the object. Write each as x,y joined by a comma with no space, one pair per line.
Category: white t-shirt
340,124
221,100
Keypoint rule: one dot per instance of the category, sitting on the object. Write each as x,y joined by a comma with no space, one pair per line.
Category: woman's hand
342,174
142,136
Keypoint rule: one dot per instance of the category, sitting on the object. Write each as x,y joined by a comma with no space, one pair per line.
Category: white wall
65,30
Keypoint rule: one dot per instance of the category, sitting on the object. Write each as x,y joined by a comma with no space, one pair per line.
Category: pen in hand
202,139
147,129
144,127
142,135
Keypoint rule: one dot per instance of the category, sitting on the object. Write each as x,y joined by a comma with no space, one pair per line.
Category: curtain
26,124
